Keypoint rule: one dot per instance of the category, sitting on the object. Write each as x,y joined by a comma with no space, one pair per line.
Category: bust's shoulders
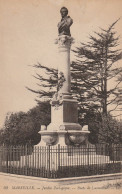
68,17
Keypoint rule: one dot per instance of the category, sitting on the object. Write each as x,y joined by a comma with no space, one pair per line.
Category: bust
65,23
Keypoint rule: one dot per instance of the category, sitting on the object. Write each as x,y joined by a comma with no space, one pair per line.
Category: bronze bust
65,23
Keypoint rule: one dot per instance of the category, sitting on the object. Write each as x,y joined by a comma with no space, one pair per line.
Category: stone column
64,45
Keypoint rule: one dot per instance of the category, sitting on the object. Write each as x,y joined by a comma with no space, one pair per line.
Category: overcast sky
28,29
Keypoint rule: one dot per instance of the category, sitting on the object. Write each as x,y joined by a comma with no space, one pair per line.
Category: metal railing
61,161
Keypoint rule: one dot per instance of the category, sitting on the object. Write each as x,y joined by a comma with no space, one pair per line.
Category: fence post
58,156
113,150
48,161
88,157
26,151
58,167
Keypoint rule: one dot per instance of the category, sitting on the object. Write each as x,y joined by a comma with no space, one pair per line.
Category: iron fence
61,161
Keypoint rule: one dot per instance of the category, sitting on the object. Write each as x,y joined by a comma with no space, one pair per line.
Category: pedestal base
64,120
64,111
63,137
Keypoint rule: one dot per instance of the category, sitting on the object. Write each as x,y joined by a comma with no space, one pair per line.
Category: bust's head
64,12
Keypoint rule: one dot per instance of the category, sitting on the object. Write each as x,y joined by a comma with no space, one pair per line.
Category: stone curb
72,180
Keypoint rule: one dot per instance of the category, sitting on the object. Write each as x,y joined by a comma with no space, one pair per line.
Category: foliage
103,129
96,67
22,128
48,82
110,130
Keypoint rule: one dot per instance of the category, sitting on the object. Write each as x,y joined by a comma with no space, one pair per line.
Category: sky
28,29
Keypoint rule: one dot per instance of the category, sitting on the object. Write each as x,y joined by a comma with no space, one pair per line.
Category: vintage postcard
60,96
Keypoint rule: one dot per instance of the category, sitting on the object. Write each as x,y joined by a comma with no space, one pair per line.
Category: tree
110,130
98,59
22,128
48,83
103,129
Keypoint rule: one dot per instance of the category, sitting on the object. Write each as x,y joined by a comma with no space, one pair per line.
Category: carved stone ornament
50,139
57,100
64,41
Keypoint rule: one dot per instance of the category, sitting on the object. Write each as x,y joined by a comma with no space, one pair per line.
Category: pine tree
48,82
97,60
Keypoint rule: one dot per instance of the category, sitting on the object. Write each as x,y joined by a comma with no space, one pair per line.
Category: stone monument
64,114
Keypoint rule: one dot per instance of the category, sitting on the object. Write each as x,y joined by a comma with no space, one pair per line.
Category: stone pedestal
64,113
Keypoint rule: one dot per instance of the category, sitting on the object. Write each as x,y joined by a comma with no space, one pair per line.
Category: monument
64,126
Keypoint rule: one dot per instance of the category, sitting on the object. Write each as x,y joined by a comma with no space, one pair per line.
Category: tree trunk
105,84
105,98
